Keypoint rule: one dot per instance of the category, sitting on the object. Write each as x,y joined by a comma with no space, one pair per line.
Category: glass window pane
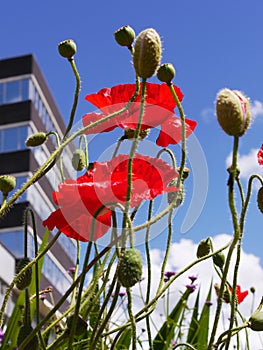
10,139
14,241
25,89
13,92
1,94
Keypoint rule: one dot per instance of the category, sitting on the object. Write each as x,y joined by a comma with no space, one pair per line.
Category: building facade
26,107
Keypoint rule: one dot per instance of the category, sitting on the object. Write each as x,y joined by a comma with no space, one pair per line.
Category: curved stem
76,96
132,319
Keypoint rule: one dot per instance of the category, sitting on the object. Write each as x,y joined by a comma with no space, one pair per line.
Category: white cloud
181,254
256,108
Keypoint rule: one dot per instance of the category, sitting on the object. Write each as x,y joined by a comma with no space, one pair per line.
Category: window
13,139
14,91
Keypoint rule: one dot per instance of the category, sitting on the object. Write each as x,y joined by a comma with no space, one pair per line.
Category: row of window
14,241
22,90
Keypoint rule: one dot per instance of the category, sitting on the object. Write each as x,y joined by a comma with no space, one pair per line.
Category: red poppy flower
159,110
240,295
106,182
260,156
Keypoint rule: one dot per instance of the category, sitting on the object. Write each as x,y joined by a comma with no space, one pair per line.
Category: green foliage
12,330
166,333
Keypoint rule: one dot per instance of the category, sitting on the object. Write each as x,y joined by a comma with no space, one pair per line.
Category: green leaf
124,341
166,333
204,324
194,324
12,329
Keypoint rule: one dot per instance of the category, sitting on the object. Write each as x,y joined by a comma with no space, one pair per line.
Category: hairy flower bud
256,321
204,248
166,73
147,53
260,199
130,268
219,260
36,139
81,326
7,184
78,160
67,48
26,278
125,36
24,332
176,197
130,133
233,112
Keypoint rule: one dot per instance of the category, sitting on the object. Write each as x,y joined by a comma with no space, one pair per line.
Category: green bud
26,278
81,326
204,248
256,321
24,332
233,112
67,48
78,160
125,36
130,268
219,260
176,197
7,184
166,73
147,53
129,134
36,139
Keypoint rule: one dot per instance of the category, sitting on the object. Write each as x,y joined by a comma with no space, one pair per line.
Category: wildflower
227,293
106,182
208,303
192,278
168,275
191,287
1,335
159,110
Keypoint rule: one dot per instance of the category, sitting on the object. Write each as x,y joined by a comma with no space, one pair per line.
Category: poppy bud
125,36
256,321
130,268
178,195
7,184
204,248
129,134
166,73
81,326
219,260
36,139
233,112
78,160
147,53
260,199
25,279
24,332
67,48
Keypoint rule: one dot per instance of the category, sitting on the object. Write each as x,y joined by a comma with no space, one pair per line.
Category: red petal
260,156
171,131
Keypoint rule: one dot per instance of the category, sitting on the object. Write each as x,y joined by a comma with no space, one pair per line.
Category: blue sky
211,44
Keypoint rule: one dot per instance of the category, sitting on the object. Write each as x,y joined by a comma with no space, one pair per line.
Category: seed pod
7,184
233,112
26,278
78,160
125,36
81,326
176,197
129,134
67,48
130,268
219,260
204,248
166,73
36,139
147,53
256,321
260,199
24,332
